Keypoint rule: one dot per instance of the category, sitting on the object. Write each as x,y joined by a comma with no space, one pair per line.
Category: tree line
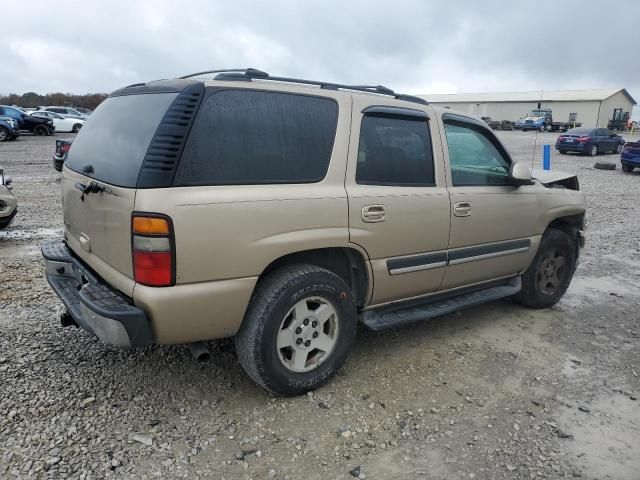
32,99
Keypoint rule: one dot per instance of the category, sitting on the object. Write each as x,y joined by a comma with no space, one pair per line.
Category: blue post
546,157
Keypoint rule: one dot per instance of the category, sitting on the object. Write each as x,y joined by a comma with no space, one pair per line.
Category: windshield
537,113
115,139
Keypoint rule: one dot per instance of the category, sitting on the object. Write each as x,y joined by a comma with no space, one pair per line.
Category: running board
396,315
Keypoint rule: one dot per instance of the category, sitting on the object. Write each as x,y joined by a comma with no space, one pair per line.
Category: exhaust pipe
66,320
200,352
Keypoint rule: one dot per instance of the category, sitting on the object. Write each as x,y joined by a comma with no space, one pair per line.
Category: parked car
282,214
8,202
62,124
38,126
60,153
589,141
506,125
86,111
630,156
518,124
66,112
9,129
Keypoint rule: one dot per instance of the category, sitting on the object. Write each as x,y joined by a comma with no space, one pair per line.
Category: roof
535,96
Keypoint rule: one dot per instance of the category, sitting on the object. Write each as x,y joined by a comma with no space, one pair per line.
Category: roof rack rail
248,74
253,72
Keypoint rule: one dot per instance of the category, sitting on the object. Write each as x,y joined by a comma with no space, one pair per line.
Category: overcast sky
411,46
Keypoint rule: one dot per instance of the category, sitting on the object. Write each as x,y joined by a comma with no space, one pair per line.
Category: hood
534,119
550,178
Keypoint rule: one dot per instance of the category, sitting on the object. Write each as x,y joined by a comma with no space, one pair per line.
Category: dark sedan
589,141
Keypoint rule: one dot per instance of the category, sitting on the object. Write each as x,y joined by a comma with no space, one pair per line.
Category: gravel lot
496,392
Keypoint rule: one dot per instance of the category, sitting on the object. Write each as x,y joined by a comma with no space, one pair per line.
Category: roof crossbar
248,74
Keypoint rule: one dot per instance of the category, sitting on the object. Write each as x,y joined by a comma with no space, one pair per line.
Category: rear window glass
115,139
244,137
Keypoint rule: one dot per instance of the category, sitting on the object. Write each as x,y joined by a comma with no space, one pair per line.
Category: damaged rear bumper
94,305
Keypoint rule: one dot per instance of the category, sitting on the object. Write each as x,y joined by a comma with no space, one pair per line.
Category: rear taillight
584,139
153,250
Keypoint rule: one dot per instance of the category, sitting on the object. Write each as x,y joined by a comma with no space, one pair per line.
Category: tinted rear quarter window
244,137
115,139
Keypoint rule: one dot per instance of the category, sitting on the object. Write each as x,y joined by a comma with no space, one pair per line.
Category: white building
592,108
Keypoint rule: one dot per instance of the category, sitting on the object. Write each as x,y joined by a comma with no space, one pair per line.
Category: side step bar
396,315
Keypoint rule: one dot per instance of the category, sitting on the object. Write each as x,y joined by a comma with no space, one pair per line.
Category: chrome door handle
462,209
373,213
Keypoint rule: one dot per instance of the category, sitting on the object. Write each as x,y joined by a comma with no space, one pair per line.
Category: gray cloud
413,46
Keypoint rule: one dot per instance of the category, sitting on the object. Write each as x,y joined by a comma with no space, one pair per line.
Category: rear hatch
133,139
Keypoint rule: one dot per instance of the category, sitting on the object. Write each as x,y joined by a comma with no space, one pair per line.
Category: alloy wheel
551,271
308,334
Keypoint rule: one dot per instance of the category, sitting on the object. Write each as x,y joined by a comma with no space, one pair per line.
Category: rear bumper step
398,315
94,305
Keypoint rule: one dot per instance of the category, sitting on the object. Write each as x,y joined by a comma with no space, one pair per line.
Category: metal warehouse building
593,108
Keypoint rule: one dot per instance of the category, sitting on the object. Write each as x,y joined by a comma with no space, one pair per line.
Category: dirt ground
495,392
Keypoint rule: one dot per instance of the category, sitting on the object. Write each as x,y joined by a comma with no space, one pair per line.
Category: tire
543,128
627,168
270,320
618,148
76,128
604,166
593,151
546,280
562,152
40,130
4,134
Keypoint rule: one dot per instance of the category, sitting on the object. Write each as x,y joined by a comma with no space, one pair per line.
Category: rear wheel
4,134
593,150
548,277
562,152
40,130
298,329
76,128
619,148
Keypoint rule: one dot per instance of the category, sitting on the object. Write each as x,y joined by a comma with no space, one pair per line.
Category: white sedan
62,124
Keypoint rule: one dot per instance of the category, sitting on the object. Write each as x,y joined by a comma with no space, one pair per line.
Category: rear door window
245,137
395,150
112,145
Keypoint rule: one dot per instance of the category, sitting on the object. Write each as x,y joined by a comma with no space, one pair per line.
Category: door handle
373,213
462,209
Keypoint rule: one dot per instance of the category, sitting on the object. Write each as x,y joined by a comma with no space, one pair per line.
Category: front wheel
4,134
298,329
548,277
542,128
627,168
40,130
76,128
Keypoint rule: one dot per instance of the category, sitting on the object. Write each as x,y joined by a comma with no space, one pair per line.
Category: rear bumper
630,159
94,305
573,147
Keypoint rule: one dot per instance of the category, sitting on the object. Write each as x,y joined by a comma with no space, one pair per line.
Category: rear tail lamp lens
584,139
153,251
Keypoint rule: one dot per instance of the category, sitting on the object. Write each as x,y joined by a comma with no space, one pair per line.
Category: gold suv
282,211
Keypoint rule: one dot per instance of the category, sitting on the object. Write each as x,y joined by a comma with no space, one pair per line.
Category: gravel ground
496,392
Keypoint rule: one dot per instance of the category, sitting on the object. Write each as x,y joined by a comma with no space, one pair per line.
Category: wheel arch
349,263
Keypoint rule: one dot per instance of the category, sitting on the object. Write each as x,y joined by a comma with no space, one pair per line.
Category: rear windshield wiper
93,187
